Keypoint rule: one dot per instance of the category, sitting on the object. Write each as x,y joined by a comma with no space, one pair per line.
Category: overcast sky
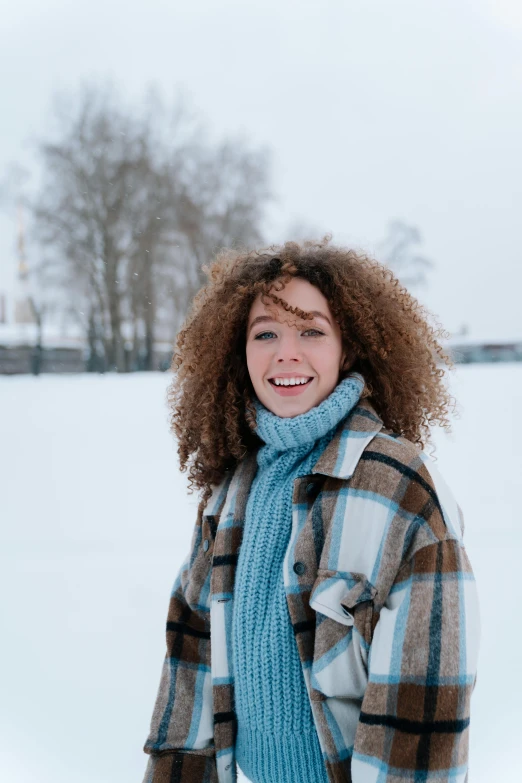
374,110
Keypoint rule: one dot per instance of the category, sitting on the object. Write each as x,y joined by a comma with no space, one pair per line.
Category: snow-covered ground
96,520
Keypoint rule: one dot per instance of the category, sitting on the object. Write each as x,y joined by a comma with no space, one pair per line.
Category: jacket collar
338,460
342,454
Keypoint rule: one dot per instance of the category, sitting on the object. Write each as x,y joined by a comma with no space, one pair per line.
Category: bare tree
220,194
130,206
84,209
399,252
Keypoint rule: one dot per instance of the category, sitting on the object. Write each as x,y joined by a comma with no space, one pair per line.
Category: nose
288,348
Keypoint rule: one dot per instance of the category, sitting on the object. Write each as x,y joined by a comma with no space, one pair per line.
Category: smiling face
293,363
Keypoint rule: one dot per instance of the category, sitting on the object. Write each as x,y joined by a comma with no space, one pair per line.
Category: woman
324,626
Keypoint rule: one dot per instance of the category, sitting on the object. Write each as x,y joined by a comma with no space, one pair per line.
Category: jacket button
299,568
205,544
310,487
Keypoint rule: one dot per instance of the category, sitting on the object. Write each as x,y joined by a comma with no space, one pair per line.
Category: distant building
24,312
465,349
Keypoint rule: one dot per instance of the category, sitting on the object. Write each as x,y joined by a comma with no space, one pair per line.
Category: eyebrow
267,318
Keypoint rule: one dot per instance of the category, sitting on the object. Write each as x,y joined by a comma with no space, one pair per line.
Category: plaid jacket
383,604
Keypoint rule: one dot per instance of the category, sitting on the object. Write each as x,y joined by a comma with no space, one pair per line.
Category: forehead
298,293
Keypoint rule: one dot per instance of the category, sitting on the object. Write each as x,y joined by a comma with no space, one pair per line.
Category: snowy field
96,521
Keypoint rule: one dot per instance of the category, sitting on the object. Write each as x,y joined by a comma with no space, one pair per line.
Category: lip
290,391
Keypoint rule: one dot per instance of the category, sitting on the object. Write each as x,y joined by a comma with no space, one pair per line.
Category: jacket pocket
343,602
337,594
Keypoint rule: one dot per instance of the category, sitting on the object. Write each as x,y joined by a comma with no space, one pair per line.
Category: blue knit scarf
277,739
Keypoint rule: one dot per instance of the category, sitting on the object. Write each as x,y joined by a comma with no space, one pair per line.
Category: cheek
327,358
255,359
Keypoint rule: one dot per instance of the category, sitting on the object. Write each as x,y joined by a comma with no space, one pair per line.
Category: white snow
96,520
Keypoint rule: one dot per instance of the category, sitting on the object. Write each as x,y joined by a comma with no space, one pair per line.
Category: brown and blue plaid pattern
384,609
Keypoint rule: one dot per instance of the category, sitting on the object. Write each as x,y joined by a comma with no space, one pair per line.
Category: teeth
290,381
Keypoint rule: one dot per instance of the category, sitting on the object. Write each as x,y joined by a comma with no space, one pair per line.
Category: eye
258,336
317,332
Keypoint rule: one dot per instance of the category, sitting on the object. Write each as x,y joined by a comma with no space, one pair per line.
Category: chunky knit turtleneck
277,741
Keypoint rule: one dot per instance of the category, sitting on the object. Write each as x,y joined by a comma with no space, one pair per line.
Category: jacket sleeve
181,737
415,711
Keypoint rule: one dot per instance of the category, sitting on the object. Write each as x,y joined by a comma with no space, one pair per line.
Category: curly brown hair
386,331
